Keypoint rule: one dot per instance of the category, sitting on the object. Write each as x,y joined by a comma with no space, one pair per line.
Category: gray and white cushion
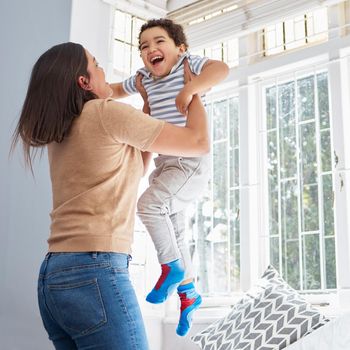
270,316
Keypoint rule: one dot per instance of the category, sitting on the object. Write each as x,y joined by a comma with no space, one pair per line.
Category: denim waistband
58,262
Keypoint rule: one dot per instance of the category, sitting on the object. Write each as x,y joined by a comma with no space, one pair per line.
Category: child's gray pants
174,184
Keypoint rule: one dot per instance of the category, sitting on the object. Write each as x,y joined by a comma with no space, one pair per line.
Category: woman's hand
184,98
141,89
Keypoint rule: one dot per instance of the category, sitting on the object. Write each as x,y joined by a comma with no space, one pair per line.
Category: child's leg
178,221
189,298
172,187
190,302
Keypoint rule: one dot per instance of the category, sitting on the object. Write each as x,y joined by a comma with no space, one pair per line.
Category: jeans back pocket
79,306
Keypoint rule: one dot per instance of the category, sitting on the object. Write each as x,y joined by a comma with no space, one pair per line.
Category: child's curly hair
175,31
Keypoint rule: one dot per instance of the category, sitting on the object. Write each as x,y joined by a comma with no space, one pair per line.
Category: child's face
158,51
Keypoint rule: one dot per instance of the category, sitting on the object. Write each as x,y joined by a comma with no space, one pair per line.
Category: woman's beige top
95,173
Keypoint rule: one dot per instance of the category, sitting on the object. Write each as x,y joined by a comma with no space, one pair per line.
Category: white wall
27,29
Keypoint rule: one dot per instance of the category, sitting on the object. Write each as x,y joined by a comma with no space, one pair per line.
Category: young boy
175,182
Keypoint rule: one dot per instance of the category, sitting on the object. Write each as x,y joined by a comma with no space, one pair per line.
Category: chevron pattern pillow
270,316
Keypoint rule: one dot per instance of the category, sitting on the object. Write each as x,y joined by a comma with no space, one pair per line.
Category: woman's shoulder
106,105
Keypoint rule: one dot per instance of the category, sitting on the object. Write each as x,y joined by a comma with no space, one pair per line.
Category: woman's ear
84,83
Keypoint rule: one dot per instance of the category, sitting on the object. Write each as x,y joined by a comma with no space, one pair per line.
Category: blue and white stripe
162,92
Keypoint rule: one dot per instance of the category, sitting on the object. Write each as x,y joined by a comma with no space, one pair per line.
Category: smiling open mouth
156,59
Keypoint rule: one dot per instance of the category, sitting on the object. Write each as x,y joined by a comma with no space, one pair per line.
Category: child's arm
212,73
118,90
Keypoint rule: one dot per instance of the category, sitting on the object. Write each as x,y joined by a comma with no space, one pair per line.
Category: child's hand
184,98
141,89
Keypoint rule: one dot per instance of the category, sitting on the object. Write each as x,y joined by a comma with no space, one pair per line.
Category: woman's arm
118,91
189,141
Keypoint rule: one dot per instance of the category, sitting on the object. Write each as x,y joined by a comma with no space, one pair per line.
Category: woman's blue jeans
86,301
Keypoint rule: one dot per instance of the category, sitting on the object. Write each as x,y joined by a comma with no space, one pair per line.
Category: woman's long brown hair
54,98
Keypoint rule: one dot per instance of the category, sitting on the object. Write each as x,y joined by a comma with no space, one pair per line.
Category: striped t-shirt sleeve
129,85
197,63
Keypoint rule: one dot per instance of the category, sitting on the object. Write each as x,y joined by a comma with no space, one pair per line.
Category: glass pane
288,152
331,274
136,26
311,262
234,121
234,241
308,153
306,98
234,216
205,264
289,208
273,182
234,142
220,185
310,208
328,210
122,26
326,151
274,252
288,149
291,261
323,100
220,268
271,107
136,61
234,167
122,57
232,53
220,120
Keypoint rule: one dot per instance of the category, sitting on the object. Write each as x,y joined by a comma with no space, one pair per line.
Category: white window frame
253,200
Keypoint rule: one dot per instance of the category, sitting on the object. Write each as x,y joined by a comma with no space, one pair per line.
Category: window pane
271,107
306,100
328,213
220,272
331,274
220,120
122,57
291,261
289,208
311,258
234,142
136,61
275,252
323,100
288,150
326,152
215,218
220,187
297,181
234,241
308,153
310,208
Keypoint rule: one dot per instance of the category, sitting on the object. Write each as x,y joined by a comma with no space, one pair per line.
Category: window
300,182
299,31
213,222
126,53
225,51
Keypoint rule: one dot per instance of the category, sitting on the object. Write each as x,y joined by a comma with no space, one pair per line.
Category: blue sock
172,274
190,302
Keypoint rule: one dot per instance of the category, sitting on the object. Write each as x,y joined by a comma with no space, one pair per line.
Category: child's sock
172,274
190,301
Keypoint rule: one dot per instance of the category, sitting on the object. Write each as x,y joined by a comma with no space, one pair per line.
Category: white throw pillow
270,316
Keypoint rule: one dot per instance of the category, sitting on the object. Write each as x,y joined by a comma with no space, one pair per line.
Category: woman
95,149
